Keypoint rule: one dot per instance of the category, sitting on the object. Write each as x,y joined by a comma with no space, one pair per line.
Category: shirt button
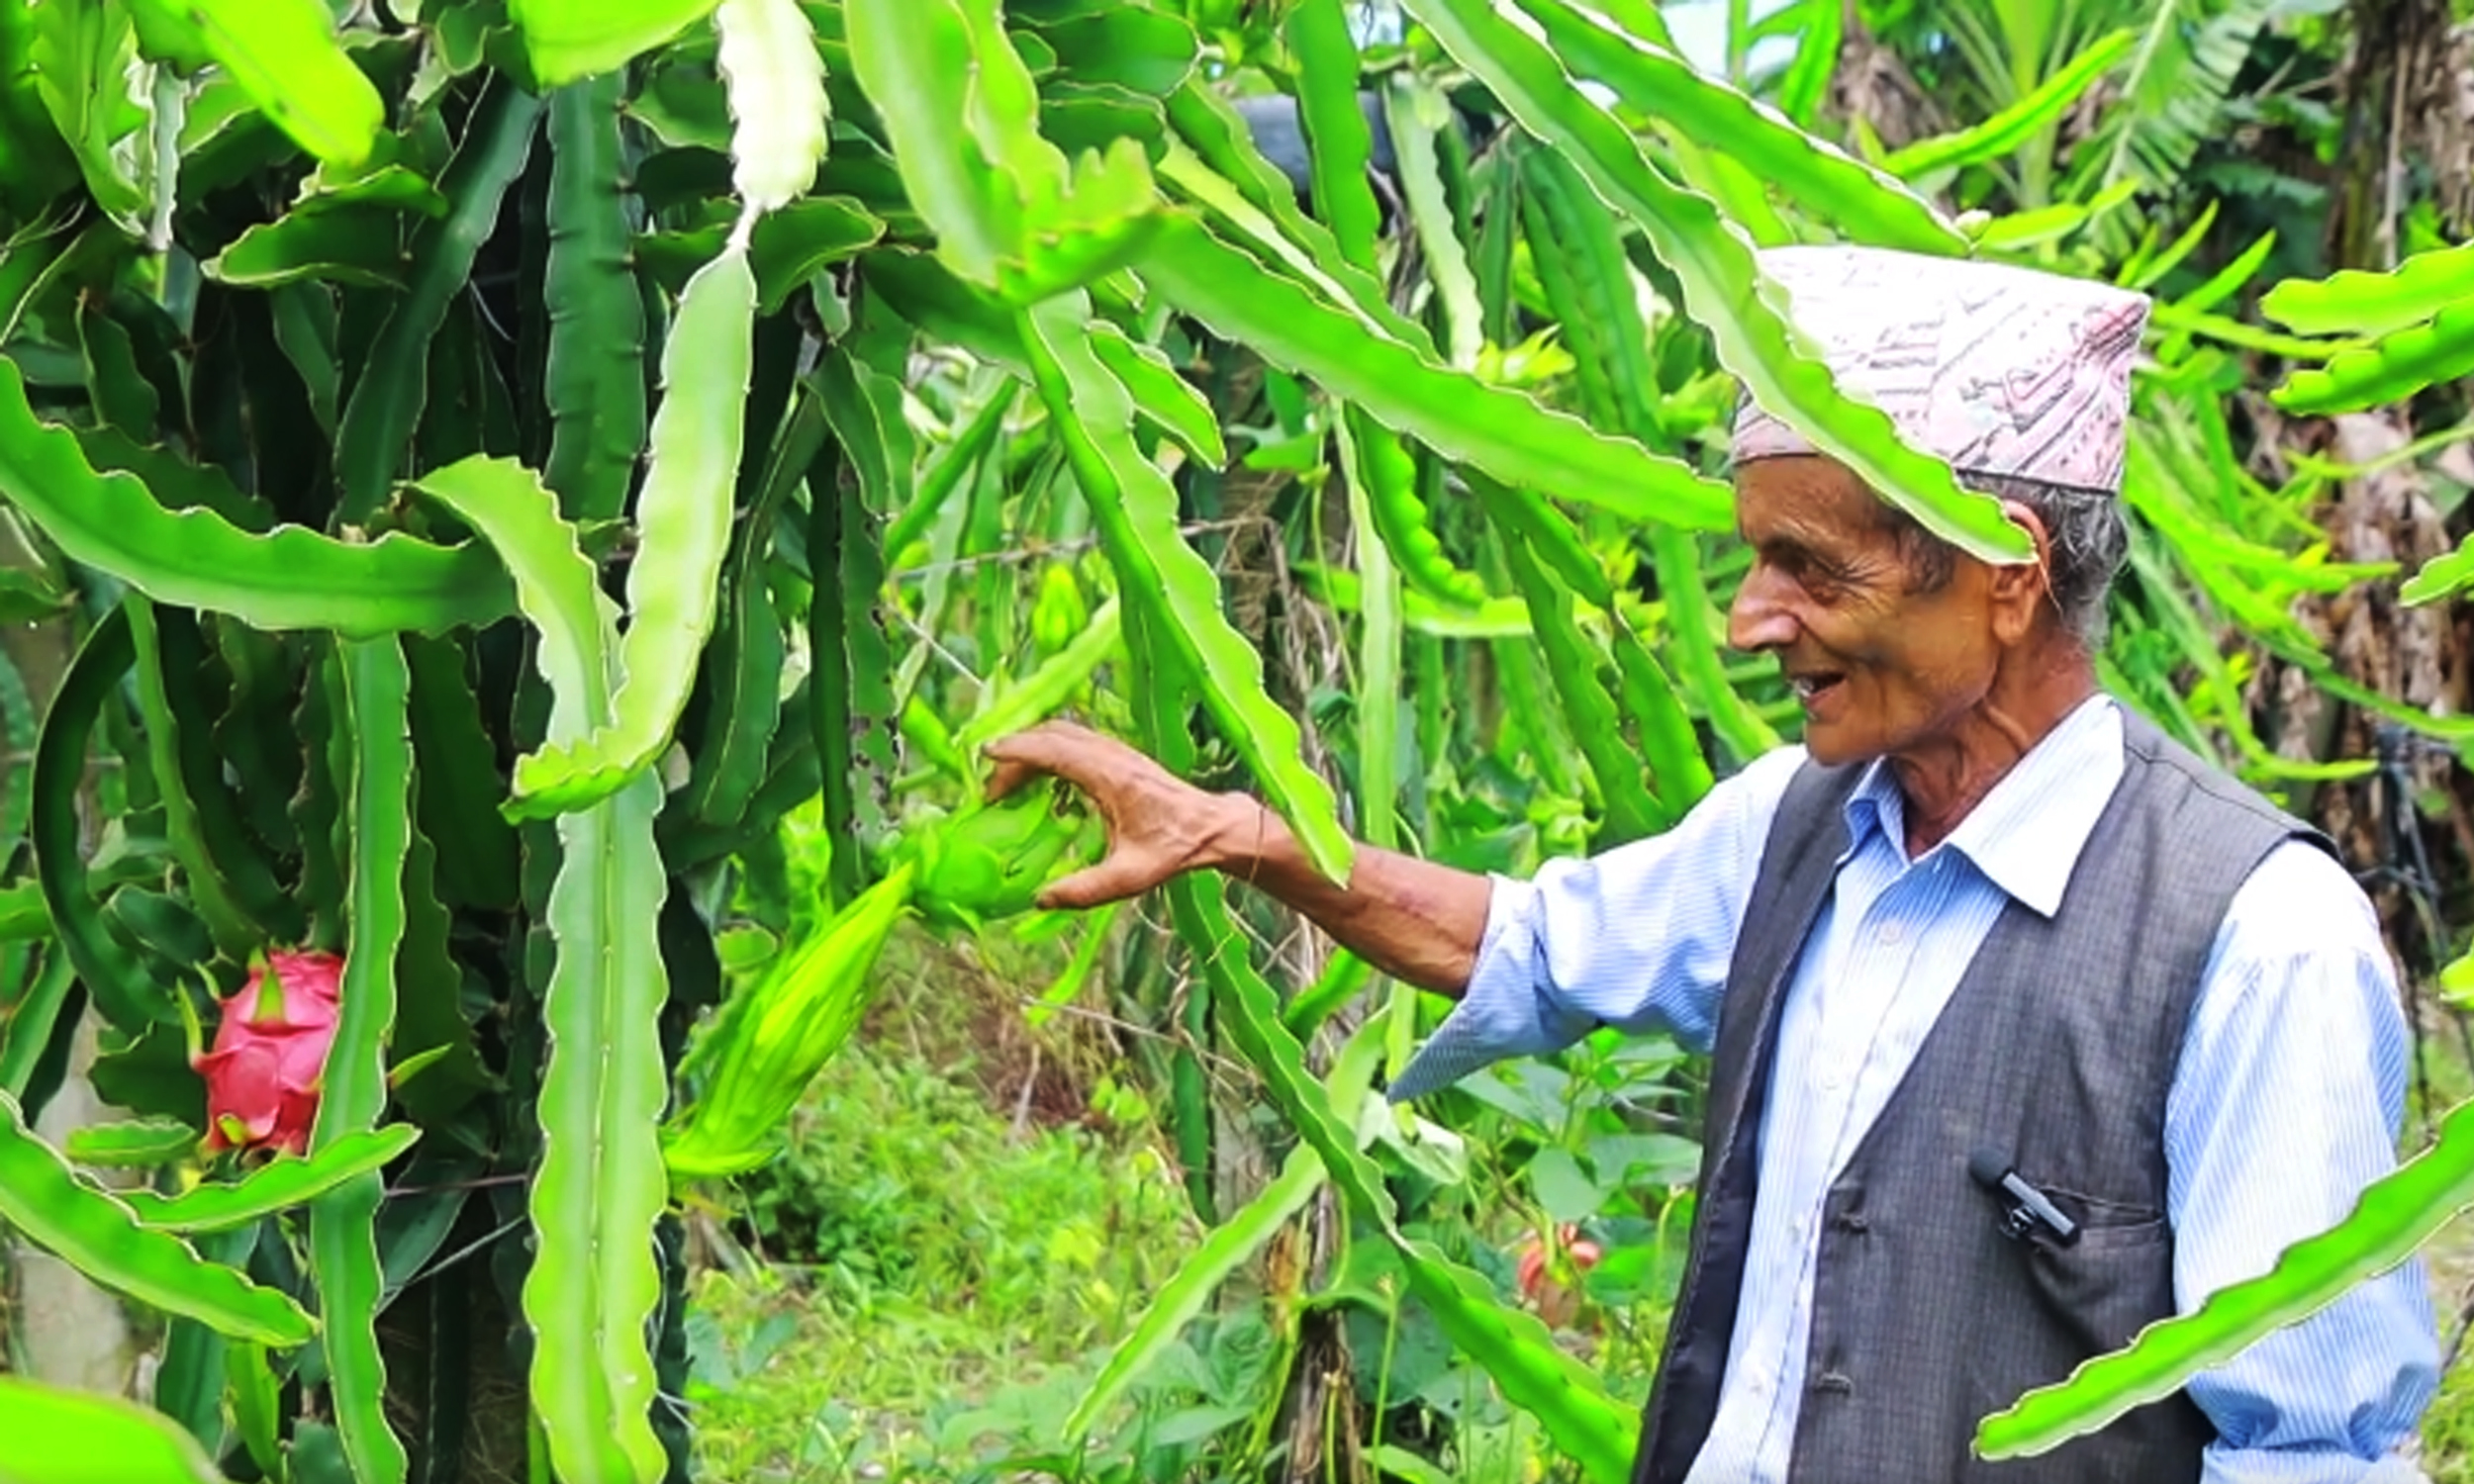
1892,932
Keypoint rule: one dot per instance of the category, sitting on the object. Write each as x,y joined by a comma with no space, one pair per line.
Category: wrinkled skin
269,1055
1413,919
1953,683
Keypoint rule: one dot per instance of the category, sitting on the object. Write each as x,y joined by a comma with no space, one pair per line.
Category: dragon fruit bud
263,1071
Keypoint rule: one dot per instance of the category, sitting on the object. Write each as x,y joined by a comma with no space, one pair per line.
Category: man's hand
1159,825
1415,920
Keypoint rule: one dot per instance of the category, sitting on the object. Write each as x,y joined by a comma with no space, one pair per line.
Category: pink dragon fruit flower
263,1072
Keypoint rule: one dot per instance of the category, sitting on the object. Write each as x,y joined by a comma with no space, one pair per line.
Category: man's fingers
1008,775
1059,748
1113,879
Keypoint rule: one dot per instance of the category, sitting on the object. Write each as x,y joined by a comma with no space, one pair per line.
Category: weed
910,1253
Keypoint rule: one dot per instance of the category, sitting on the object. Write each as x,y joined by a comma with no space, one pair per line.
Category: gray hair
2089,538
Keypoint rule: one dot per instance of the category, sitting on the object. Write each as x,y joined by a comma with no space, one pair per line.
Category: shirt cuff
1508,1009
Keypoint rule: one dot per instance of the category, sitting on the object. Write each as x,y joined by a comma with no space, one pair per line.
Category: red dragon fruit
270,1050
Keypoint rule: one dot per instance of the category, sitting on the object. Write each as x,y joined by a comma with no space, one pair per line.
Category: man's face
1881,665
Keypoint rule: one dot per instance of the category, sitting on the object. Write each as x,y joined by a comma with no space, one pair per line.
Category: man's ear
2021,589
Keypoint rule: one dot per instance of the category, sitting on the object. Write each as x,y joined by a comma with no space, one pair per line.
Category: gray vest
2059,1047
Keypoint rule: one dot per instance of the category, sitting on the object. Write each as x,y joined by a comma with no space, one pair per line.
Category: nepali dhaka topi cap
2001,371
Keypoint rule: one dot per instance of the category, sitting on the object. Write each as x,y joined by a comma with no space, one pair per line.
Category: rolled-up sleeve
1637,937
2287,1104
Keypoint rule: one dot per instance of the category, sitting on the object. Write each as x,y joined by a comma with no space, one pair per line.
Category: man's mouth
1808,688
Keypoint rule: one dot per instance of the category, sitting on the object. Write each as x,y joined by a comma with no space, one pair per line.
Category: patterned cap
2000,370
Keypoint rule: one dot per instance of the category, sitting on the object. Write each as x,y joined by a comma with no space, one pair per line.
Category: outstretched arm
1637,937
1416,920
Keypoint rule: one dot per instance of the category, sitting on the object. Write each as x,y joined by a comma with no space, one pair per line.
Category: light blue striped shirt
2286,1101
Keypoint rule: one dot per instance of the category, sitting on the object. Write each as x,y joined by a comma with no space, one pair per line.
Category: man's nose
1758,619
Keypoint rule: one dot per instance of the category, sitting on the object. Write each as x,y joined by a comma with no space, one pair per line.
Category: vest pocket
2111,1284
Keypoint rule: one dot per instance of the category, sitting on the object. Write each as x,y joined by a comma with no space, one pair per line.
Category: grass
948,1254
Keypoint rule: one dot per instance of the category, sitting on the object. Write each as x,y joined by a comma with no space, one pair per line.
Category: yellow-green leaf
571,39
286,53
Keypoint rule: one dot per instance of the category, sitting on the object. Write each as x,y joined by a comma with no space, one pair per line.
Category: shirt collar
2025,835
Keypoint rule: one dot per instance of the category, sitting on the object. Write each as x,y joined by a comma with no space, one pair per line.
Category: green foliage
43,1198
565,39
930,1262
1232,1243
497,469
770,1040
682,515
196,557
285,53
1712,260
58,1435
1501,432
281,1183
373,685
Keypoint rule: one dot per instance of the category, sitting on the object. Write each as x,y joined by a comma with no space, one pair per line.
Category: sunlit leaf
59,1436
1176,1303
2358,303
786,248
52,1207
373,683
1338,143
768,59
138,1144
1135,508
1418,113
1163,397
287,55
1010,210
2392,368
601,1185
288,1181
682,518
2450,572
571,39
340,244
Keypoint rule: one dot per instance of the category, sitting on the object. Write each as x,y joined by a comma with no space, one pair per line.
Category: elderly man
1984,932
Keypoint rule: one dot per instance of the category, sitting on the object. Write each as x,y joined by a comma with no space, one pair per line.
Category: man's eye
1818,575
